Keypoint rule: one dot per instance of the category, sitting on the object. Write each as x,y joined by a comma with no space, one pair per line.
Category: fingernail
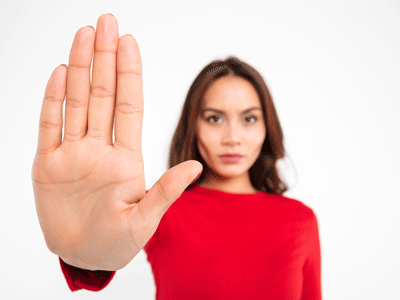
63,65
196,178
90,26
110,14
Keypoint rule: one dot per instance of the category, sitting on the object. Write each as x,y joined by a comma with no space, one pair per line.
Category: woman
224,232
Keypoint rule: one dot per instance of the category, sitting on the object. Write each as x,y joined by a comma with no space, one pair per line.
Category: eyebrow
223,113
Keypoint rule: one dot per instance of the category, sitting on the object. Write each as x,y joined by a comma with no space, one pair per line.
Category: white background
333,69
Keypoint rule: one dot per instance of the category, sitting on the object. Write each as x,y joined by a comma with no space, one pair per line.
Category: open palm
89,192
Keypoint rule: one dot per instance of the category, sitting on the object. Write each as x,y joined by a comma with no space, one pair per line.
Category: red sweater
217,245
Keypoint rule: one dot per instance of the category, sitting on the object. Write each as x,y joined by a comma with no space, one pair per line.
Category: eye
251,117
214,117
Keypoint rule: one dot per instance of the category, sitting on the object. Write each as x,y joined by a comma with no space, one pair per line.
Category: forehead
231,93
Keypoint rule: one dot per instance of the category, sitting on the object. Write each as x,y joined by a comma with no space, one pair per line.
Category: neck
237,185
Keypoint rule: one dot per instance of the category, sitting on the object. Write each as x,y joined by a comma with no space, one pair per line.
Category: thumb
168,188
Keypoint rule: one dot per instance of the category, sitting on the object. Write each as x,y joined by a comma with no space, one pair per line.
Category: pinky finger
51,116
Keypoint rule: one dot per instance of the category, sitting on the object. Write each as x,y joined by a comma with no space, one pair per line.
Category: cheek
256,138
207,140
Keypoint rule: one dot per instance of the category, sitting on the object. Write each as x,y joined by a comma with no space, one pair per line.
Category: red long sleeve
312,265
78,279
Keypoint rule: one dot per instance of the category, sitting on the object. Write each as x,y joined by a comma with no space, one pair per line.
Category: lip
230,158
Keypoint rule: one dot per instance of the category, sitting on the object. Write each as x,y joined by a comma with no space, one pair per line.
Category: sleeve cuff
78,279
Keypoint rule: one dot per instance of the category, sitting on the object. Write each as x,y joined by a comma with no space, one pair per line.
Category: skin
231,131
90,193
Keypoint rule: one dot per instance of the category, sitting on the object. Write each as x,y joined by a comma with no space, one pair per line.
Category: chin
226,173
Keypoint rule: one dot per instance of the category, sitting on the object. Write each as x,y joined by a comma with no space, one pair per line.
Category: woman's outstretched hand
89,192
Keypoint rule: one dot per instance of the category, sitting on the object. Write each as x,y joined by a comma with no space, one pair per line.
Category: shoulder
296,207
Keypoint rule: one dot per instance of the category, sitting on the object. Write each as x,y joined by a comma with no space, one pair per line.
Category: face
230,122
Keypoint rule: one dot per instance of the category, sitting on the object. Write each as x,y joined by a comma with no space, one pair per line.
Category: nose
231,135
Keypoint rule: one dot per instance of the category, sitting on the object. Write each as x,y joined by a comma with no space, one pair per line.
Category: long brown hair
264,174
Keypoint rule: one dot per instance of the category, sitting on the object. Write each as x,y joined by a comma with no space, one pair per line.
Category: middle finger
102,92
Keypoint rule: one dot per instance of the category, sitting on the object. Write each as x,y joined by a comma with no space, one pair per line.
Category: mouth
231,158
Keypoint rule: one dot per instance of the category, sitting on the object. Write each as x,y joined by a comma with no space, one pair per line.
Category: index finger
129,103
